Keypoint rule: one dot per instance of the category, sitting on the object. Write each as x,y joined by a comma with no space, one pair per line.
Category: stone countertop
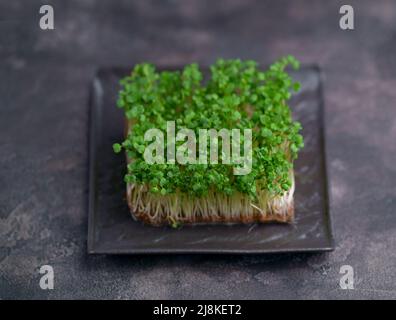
44,89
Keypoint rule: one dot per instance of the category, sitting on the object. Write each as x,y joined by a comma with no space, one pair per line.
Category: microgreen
238,95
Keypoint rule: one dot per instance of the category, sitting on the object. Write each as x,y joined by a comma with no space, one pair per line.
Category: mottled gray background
44,82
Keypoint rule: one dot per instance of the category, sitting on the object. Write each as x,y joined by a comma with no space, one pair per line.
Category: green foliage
117,147
237,96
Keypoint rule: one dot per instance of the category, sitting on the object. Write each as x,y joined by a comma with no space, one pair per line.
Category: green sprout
117,147
237,95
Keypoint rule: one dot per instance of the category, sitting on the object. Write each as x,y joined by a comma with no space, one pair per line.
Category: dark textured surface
111,229
45,77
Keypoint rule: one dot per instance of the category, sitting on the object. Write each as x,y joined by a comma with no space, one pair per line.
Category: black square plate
113,231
